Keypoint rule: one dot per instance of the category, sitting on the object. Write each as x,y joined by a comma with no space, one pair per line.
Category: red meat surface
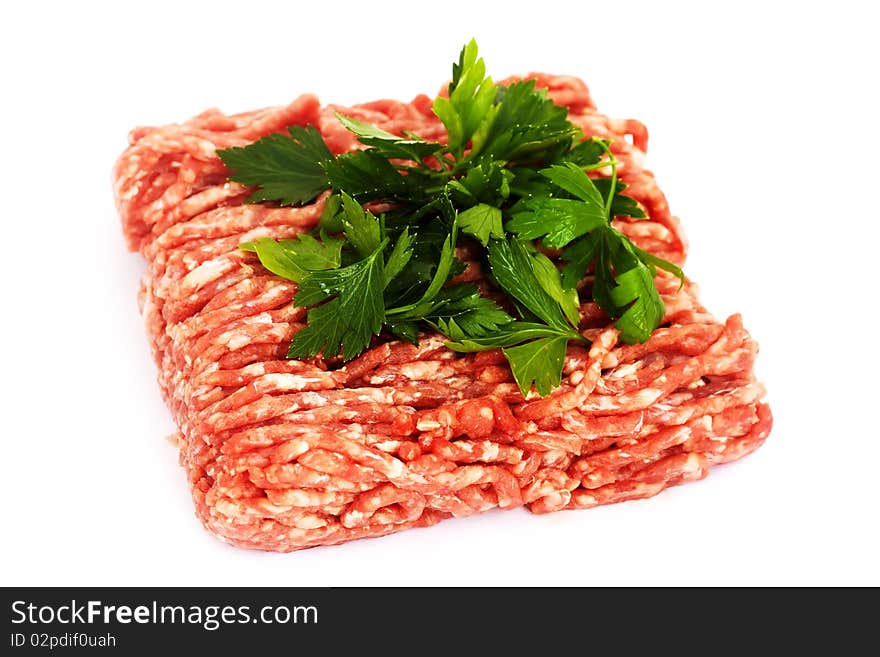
285,454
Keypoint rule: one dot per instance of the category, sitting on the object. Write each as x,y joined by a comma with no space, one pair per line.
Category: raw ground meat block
285,454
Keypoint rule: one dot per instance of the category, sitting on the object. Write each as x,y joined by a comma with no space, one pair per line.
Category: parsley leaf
586,153
330,221
623,283
639,320
656,262
349,320
512,267
538,363
635,291
515,332
405,330
558,221
441,274
526,121
482,221
580,255
487,181
400,255
549,278
572,179
471,97
295,258
533,281
362,229
535,352
426,246
527,183
369,176
286,169
461,311
388,145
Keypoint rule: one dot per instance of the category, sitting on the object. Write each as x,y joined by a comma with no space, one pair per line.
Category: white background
764,136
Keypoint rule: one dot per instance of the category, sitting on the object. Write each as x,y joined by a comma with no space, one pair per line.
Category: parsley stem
612,162
444,162
601,165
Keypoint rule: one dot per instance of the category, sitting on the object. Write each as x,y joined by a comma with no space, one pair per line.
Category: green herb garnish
511,183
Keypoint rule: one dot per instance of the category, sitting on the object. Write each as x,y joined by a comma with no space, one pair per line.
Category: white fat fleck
416,370
428,425
254,369
623,371
297,447
202,390
397,469
647,395
285,381
261,318
310,522
298,498
227,508
314,399
205,273
640,423
387,445
237,341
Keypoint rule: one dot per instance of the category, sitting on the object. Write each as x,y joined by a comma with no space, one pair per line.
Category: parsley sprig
514,184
